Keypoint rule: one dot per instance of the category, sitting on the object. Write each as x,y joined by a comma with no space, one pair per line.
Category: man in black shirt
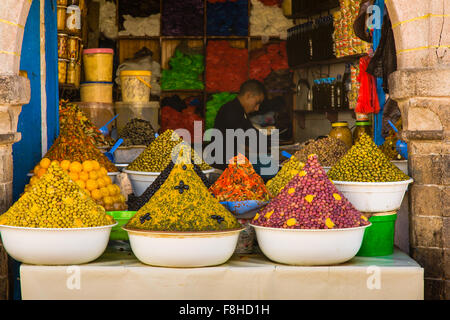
234,115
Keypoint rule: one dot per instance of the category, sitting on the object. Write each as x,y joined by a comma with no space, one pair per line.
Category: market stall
122,193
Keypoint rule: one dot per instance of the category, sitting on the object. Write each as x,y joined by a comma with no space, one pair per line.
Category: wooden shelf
138,37
329,61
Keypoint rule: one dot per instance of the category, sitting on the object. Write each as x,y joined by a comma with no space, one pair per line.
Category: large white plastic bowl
402,165
113,176
54,246
183,249
305,247
141,180
374,196
326,169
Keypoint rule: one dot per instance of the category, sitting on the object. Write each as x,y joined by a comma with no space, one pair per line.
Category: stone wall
422,89
14,92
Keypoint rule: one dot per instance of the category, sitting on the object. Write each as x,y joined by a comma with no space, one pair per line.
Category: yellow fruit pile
55,201
89,176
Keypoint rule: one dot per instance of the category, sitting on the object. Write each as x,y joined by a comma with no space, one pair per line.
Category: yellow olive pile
289,170
183,203
55,201
157,156
365,162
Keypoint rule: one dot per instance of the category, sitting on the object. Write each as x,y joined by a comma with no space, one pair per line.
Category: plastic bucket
379,237
98,113
96,92
135,85
122,217
98,64
146,111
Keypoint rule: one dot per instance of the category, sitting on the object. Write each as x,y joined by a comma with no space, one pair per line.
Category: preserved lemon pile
365,162
55,201
157,156
289,170
91,177
183,203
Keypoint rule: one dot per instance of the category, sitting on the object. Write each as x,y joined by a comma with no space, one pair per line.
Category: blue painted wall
27,152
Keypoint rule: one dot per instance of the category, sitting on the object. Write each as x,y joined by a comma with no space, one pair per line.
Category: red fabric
270,58
368,97
172,119
271,2
226,67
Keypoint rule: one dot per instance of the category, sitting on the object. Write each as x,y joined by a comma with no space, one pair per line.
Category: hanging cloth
368,97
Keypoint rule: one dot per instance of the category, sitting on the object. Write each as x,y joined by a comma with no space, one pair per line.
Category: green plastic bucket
122,217
379,237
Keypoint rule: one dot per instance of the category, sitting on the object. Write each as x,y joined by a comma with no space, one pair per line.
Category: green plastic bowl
379,237
122,217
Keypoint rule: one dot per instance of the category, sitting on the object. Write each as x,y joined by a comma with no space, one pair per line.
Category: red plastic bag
368,97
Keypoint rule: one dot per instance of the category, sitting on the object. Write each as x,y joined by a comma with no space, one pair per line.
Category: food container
98,64
340,130
326,169
378,239
54,246
97,92
402,165
73,47
61,2
73,19
113,176
78,75
145,111
135,85
309,247
62,70
141,180
98,113
362,127
183,249
374,196
61,18
242,207
71,72
128,154
63,51
122,218
121,166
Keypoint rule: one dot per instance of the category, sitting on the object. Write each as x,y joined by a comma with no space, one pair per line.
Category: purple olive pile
310,201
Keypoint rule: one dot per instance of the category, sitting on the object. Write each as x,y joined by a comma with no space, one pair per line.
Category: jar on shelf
61,2
72,72
73,44
63,52
360,128
61,14
341,131
62,70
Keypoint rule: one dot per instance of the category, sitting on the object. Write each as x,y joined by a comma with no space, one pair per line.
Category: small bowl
141,180
374,196
183,249
121,166
402,165
309,247
122,218
242,207
113,176
54,246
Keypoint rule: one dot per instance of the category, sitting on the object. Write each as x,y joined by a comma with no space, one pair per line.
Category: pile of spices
89,176
68,111
137,132
157,156
329,150
365,162
136,203
55,201
74,145
240,182
310,201
289,170
183,203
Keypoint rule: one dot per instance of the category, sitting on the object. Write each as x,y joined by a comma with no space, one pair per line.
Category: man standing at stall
234,115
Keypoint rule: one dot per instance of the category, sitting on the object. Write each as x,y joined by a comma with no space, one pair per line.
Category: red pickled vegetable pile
270,58
226,67
239,182
310,201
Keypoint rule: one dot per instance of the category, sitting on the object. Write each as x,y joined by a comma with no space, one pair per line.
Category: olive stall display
365,162
341,131
329,150
289,170
137,132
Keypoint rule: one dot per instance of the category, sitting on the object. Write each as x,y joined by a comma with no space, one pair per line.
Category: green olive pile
365,162
55,201
157,156
137,132
329,150
289,170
